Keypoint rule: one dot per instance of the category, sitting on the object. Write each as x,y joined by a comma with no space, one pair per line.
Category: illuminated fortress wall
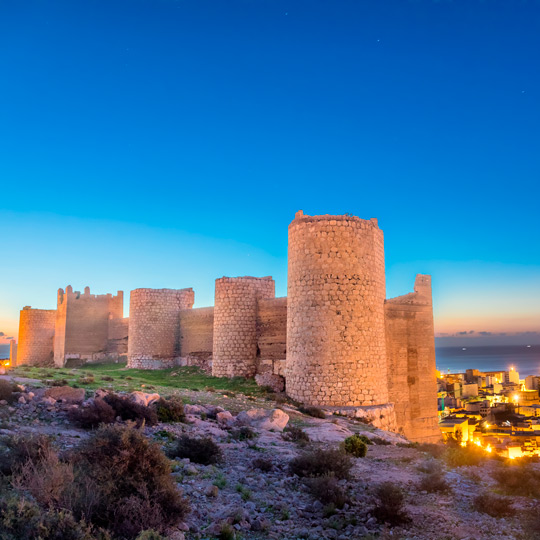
36,337
410,348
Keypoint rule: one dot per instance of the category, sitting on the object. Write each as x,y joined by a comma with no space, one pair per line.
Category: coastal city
495,410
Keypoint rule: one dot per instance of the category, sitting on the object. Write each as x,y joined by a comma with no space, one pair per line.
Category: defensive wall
82,326
36,337
410,349
13,352
154,330
334,341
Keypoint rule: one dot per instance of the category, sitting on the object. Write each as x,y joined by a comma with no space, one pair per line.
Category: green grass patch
185,378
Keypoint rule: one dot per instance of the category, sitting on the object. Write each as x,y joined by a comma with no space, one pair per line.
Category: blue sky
166,143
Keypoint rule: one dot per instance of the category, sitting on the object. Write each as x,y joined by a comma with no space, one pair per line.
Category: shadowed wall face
335,312
154,333
235,324
36,337
410,346
82,324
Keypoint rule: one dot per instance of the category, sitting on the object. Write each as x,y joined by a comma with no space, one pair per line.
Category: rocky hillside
252,484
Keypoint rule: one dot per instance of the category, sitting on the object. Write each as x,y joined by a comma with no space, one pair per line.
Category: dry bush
7,390
434,482
493,505
19,449
355,446
127,409
170,410
521,480
434,450
263,464
327,490
22,519
150,535
312,411
92,415
321,462
46,479
389,507
458,456
295,434
244,433
86,380
135,490
199,450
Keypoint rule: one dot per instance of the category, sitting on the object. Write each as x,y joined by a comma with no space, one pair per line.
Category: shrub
6,391
92,415
108,379
263,464
434,450
46,479
327,490
321,462
19,449
434,482
131,488
295,434
150,535
86,380
199,450
389,507
170,410
355,446
243,433
58,382
20,518
493,505
127,409
518,480
458,456
313,411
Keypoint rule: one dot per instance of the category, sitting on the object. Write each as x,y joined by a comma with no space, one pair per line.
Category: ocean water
4,351
525,360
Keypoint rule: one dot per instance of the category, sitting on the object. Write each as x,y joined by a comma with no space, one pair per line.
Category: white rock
225,418
144,399
263,419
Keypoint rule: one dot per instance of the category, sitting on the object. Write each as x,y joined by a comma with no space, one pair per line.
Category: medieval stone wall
410,346
36,337
271,335
235,324
154,333
82,324
335,312
13,352
196,331
117,342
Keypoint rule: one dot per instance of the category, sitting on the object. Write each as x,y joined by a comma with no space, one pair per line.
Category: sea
525,360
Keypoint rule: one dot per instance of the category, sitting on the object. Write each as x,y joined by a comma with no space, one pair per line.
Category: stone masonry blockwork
154,333
235,324
36,337
336,353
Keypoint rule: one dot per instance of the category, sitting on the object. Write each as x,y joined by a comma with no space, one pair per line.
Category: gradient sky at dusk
165,143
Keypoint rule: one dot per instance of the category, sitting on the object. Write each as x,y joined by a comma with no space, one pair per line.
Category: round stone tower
235,324
36,337
335,312
154,316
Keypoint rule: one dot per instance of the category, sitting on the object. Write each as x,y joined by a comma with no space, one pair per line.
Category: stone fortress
334,341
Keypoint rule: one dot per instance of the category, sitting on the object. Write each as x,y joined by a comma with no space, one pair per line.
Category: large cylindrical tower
36,337
154,331
235,324
335,311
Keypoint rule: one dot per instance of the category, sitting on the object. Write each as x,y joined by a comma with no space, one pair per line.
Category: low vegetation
170,410
295,434
201,450
355,445
7,391
518,479
321,462
313,411
390,501
494,505
115,484
327,490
